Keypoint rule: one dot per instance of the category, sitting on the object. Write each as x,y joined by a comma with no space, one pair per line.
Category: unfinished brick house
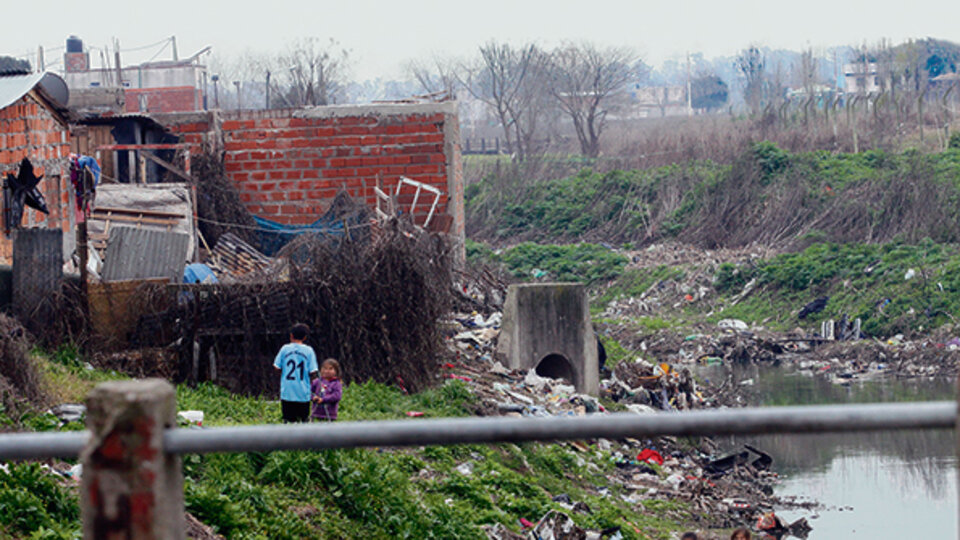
33,126
289,164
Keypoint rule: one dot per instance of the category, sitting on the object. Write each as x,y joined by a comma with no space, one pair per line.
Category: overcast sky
383,35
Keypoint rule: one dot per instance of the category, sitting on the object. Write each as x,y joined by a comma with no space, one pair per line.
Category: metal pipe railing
745,421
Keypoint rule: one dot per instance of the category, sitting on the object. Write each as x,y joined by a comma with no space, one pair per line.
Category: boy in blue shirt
297,364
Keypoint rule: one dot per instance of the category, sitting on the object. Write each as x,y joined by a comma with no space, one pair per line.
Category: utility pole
239,97
268,89
216,95
116,53
689,97
173,41
40,63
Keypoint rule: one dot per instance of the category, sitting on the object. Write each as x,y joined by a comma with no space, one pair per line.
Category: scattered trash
735,324
69,412
557,526
75,472
191,417
728,488
650,456
414,414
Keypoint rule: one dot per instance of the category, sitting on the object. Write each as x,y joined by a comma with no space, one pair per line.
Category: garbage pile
674,254
733,342
847,362
722,490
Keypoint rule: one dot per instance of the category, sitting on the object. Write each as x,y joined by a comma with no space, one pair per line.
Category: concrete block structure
546,327
287,163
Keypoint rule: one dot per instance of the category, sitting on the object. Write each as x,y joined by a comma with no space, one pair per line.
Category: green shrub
731,277
770,158
586,263
32,499
954,141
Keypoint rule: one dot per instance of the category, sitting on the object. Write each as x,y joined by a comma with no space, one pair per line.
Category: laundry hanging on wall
84,176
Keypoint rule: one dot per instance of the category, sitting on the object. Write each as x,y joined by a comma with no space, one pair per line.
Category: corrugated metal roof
144,253
14,87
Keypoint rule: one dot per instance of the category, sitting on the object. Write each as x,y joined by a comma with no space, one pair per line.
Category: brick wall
289,164
194,128
163,100
29,129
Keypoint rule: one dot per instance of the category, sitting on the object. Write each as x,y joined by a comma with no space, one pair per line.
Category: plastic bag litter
69,412
556,526
733,324
534,380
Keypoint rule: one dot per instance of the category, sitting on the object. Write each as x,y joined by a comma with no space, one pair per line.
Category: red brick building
289,164
33,126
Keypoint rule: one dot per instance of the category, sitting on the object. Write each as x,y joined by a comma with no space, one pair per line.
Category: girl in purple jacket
326,391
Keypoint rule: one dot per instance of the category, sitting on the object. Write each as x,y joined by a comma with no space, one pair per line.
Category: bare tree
437,77
310,72
807,72
584,79
508,80
242,78
752,66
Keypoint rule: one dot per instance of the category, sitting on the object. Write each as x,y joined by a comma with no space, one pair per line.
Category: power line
143,47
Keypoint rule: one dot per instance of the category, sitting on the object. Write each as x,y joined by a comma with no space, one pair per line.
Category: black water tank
74,44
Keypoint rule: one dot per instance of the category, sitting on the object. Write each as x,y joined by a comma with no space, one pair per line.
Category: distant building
659,101
861,78
165,86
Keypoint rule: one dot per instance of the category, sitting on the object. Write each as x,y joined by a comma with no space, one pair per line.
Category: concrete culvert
556,366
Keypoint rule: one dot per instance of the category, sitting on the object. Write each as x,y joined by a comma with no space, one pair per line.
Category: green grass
865,281
859,279
380,493
369,492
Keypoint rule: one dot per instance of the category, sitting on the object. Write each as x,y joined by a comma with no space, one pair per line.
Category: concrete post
131,488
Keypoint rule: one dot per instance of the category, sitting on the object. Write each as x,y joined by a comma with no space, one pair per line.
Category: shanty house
33,125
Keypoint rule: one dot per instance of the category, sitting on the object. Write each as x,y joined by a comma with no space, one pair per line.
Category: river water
871,485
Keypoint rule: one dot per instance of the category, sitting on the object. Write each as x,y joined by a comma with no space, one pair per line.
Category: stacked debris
373,305
232,259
